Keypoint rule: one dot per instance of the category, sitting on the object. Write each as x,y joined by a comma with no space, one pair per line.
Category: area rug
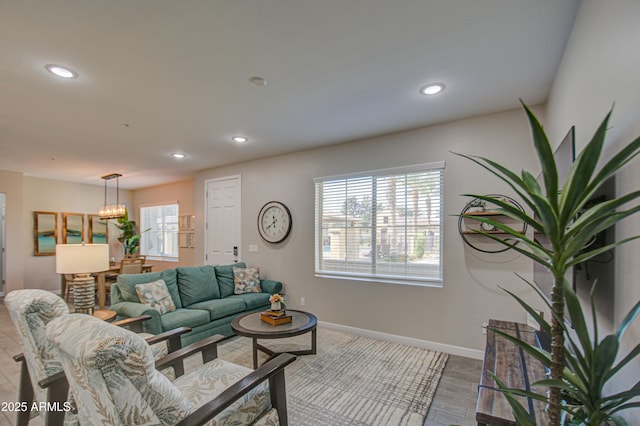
352,380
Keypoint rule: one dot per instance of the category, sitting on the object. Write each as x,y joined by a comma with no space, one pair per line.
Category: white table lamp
82,260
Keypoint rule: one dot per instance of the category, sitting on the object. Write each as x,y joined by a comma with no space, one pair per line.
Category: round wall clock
274,222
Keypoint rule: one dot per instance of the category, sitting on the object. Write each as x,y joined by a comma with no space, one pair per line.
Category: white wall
600,67
11,184
451,315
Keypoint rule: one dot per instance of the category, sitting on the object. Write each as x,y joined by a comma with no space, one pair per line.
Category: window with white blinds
160,242
384,225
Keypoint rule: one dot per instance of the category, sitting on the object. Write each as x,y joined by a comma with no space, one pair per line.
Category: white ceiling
163,76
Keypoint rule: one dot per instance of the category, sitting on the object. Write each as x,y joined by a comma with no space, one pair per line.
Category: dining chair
68,286
128,265
131,265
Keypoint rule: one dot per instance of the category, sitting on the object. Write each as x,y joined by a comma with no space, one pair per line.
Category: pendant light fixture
112,211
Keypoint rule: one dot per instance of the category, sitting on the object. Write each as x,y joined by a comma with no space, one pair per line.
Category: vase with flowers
277,302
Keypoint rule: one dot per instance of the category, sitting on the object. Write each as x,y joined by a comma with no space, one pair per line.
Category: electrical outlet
253,248
302,301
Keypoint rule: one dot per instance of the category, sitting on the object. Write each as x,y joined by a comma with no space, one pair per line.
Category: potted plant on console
580,363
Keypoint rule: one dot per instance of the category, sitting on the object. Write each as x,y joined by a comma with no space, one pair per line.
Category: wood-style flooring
454,402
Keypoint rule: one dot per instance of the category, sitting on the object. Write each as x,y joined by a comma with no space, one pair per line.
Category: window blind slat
382,224
161,239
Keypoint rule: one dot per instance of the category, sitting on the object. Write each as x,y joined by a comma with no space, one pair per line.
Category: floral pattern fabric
246,280
30,311
113,373
156,295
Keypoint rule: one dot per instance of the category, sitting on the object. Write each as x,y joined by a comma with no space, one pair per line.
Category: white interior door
223,221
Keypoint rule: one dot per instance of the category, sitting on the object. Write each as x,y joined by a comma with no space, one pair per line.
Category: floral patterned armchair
30,311
112,373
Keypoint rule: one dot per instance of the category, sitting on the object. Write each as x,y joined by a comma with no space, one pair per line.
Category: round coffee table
250,325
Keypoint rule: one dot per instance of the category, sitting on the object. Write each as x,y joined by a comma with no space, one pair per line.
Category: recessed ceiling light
61,71
178,155
239,139
257,81
432,89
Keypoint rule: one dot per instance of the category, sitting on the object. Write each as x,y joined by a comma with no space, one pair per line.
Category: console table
514,367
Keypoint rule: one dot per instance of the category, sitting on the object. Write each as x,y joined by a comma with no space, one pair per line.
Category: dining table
101,281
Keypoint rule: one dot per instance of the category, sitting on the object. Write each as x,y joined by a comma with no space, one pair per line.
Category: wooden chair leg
278,393
25,393
58,395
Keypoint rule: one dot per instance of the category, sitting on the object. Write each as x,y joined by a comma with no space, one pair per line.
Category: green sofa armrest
132,309
270,286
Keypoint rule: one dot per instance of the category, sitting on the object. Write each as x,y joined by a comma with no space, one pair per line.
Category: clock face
274,222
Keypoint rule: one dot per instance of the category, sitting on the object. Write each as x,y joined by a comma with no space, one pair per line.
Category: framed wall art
183,222
183,242
72,228
45,233
98,230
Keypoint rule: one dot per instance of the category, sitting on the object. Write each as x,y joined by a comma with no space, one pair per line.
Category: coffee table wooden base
258,347
250,325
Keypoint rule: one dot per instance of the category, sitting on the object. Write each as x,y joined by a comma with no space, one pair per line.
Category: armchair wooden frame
272,370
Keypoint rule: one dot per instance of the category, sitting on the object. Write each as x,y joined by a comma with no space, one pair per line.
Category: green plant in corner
128,237
565,218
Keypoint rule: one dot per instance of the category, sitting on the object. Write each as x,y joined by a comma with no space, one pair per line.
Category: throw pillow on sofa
246,280
156,295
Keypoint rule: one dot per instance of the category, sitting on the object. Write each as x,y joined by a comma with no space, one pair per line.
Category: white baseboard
425,344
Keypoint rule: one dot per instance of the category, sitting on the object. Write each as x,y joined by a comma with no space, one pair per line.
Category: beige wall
62,197
601,67
451,315
182,192
28,194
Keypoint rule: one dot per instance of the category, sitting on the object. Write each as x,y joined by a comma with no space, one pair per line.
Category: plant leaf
628,319
574,192
521,415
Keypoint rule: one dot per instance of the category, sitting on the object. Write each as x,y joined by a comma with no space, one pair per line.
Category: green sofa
203,296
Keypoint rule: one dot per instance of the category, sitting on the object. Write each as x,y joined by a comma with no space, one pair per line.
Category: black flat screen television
600,268
564,156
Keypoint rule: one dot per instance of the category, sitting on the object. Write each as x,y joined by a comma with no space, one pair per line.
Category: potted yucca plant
569,223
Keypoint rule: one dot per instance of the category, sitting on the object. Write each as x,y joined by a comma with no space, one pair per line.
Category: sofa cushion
246,280
224,275
197,284
156,295
251,300
184,318
220,308
127,285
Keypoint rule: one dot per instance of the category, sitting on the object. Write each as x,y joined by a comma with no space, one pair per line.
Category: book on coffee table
275,320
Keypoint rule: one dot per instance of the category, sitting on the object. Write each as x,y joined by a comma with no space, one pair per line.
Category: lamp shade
81,258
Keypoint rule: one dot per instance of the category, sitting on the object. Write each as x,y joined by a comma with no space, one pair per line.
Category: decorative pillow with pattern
246,280
156,295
